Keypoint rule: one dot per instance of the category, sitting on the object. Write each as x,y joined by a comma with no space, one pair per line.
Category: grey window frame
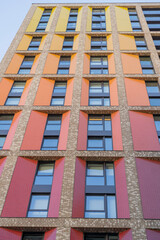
3,132
12,95
145,67
152,17
93,236
140,46
153,95
62,67
99,44
32,234
34,45
101,21
158,132
102,95
46,13
133,13
59,94
25,66
156,39
72,20
68,45
100,67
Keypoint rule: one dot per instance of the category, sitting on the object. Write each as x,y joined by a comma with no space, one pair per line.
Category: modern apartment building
80,124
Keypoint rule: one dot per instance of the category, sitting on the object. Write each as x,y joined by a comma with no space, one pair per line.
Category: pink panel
121,189
18,196
64,131
50,235
76,235
55,197
152,234
149,179
25,92
2,162
79,189
116,131
82,131
126,235
8,234
144,132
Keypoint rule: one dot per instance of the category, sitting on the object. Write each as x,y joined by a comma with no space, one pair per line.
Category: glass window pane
95,169
95,101
43,180
24,71
2,141
110,174
148,71
95,71
37,214
95,87
111,207
152,87
50,143
39,202
154,101
95,143
95,181
95,203
108,144
107,123
106,87
106,102
94,214
45,169
12,101
63,71
57,102
157,123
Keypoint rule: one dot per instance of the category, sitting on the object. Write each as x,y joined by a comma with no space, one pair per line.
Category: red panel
8,234
149,179
152,234
12,131
79,189
64,131
126,235
76,235
50,235
121,189
18,196
116,131
55,197
144,132
2,162
82,131
34,132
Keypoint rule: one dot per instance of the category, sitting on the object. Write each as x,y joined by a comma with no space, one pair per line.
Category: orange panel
111,65
42,43
34,132
25,92
64,131
15,64
109,42
12,131
127,42
85,92
69,92
57,42
75,42
5,87
86,64
113,92
131,64
116,131
35,64
88,43
136,92
51,64
44,93
72,68
82,131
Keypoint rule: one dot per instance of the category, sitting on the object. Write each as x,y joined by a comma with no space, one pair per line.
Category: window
51,134
99,65
5,123
34,44
140,43
26,65
152,16
157,124
153,93
99,133
98,20
33,236
146,64
68,43
100,191
41,190
58,95
44,20
15,94
100,236
72,20
98,43
156,40
99,94
136,27
64,65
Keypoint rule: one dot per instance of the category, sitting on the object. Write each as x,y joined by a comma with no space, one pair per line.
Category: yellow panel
108,19
50,19
78,26
42,43
75,43
24,43
63,19
127,42
57,42
88,43
35,20
89,20
123,20
109,42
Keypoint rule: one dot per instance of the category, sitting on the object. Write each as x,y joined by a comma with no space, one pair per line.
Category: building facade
80,124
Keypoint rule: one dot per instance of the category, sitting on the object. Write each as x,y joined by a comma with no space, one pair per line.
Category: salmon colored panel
34,132
73,64
5,87
111,65
116,131
126,235
24,43
144,132
153,234
86,64
108,19
35,64
109,42
50,19
62,144
75,42
25,92
82,131
76,234
44,93
12,131
88,43
69,92
123,19
79,189
136,92
121,189
18,196
15,64
8,234
113,92
55,197
85,92
57,42
51,64
89,20
42,43
79,19
35,20
63,19
50,235
127,42
2,162
131,64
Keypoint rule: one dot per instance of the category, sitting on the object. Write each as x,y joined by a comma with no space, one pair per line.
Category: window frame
100,67
102,95
26,67
13,95
64,67
58,94
133,13
101,44
142,46
43,21
101,21
73,14
34,46
146,67
68,47
153,95
4,132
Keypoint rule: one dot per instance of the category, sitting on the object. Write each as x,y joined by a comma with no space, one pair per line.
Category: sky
18,9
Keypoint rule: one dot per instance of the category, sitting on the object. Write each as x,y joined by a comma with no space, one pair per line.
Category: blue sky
18,9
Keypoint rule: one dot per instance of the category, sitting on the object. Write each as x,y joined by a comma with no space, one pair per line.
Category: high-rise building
80,124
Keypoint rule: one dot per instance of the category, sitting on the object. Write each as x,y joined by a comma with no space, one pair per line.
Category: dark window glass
153,93
156,40
99,94
152,16
98,65
15,94
68,43
140,43
44,20
33,236
58,95
98,20
64,65
157,124
136,27
34,44
72,20
146,64
100,236
98,43
26,65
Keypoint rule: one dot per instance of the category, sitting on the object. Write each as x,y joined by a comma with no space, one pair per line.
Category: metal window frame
99,95
101,66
